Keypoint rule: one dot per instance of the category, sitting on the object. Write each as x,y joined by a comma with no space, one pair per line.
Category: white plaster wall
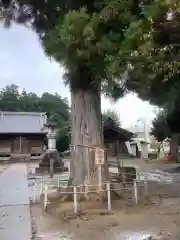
133,147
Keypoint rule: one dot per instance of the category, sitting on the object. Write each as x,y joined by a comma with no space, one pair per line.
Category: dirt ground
157,218
152,219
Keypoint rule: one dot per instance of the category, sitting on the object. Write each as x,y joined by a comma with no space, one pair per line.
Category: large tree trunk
86,130
174,148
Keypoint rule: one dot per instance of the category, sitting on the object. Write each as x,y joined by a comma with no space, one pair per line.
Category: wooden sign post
99,160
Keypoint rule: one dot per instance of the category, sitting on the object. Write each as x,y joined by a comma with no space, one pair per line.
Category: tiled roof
22,122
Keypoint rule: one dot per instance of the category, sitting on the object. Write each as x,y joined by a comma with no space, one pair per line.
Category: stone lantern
50,128
51,161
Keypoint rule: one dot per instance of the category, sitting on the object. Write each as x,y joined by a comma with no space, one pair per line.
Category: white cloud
130,109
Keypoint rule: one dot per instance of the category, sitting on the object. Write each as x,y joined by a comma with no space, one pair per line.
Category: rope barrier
75,192
86,146
106,187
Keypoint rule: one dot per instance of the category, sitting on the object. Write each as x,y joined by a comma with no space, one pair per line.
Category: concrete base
44,165
46,170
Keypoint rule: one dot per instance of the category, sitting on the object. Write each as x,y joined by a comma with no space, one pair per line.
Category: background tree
63,139
57,109
166,125
153,67
110,113
160,129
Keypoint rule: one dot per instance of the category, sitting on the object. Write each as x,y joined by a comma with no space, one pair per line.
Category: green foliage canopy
99,41
117,45
97,48
110,113
166,123
160,128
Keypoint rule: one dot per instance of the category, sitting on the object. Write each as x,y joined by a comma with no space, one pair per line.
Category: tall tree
80,41
85,43
96,44
166,125
160,129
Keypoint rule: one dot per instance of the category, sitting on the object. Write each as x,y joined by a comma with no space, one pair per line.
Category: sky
24,63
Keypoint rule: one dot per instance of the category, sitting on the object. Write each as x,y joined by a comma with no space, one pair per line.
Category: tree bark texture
174,148
86,130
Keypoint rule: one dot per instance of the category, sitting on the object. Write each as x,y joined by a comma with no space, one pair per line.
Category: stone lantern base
54,156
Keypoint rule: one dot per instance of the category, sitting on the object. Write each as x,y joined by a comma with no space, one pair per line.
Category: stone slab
15,223
14,186
15,219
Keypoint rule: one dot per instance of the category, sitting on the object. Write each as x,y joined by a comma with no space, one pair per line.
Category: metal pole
109,196
75,199
100,176
135,192
45,196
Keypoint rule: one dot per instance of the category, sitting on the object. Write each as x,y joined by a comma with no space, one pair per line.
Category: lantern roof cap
50,124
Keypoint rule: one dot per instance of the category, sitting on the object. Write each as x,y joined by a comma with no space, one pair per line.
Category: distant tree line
56,107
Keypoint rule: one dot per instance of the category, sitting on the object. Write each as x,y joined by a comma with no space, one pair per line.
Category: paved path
15,219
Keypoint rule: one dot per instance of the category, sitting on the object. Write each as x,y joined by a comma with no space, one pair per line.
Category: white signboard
99,156
129,147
